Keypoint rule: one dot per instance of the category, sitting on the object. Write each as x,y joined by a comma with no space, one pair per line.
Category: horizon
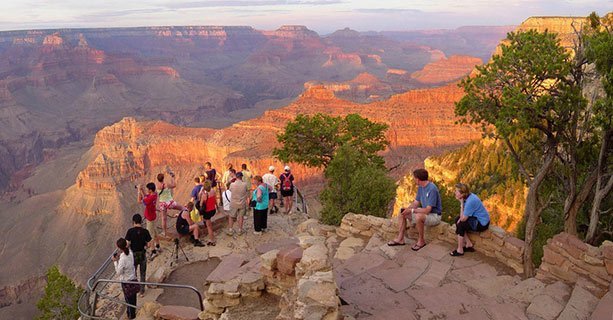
322,16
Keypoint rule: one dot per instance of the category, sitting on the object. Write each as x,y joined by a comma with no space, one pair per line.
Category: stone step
228,269
177,313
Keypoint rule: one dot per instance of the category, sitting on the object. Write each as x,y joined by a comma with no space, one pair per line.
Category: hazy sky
323,16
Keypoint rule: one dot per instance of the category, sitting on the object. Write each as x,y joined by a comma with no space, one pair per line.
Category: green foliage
355,184
61,297
313,140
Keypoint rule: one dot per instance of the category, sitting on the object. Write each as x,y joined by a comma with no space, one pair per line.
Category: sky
323,16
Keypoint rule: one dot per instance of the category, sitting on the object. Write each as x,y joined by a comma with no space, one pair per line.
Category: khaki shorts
235,212
432,219
152,228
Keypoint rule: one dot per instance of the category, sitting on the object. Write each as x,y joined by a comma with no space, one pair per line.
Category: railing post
94,304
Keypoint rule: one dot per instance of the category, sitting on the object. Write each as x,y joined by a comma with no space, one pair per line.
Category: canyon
89,113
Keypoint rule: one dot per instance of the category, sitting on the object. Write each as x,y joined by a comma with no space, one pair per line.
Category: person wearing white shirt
273,182
124,268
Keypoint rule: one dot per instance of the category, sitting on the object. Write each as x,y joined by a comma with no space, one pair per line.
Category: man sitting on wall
426,210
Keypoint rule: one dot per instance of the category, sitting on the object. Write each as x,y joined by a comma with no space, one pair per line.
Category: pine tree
60,299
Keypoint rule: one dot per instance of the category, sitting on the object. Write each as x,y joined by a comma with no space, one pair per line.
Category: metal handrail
90,313
302,200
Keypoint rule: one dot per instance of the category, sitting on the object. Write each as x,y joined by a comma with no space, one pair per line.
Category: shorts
235,212
287,193
183,230
164,206
272,195
207,215
432,219
152,228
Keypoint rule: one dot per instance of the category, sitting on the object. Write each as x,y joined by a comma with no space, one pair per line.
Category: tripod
175,252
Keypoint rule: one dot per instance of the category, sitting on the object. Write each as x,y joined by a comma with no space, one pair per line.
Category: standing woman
124,268
165,200
260,210
208,208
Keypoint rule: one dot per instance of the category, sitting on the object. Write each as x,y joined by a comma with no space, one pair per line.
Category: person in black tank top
138,239
185,225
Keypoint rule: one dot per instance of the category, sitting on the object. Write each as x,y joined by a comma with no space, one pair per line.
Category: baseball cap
271,168
287,168
239,174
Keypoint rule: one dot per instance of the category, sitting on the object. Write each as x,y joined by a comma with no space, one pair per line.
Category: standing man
273,183
246,175
138,238
426,210
287,189
149,200
238,203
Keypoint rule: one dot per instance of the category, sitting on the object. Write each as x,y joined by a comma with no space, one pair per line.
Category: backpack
287,184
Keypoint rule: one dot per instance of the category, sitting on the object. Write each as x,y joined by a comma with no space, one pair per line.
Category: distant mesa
446,70
345,33
295,32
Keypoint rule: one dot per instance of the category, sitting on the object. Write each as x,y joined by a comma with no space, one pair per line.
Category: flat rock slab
504,311
400,278
393,314
524,291
544,307
361,262
476,272
579,306
277,244
228,268
433,277
371,296
493,286
434,250
604,309
436,299
177,313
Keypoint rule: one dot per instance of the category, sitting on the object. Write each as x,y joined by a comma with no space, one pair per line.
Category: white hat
271,168
286,168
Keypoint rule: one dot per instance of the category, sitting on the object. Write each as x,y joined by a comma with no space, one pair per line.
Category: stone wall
568,258
494,242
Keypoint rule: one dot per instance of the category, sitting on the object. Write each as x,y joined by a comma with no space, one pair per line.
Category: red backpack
287,184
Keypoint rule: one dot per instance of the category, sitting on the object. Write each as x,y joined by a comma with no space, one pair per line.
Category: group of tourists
238,190
426,210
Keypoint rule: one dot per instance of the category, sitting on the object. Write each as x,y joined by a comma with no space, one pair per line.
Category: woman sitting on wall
473,217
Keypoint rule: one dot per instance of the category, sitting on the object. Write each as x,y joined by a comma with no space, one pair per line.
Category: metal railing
303,205
99,281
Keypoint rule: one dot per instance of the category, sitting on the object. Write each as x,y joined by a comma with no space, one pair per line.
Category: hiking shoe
265,230
257,233
154,254
240,232
229,232
198,243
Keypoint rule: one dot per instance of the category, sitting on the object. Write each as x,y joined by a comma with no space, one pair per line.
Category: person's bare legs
209,229
460,248
288,204
467,242
230,222
164,223
420,221
402,226
195,230
240,221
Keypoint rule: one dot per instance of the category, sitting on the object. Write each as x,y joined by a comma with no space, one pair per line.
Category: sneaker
154,254
265,230
229,232
198,243
240,232
257,233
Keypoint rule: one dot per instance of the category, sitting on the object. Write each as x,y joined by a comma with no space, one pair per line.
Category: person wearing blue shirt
473,216
426,210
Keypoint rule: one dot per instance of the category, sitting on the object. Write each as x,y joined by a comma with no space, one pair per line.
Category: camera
135,186
115,254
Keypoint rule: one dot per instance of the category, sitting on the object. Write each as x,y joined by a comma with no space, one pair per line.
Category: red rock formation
128,150
446,70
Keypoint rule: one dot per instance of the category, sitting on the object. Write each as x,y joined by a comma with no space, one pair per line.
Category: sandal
394,243
417,247
210,243
469,249
455,253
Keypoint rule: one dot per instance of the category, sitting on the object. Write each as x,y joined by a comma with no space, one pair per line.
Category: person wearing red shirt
149,199
208,208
